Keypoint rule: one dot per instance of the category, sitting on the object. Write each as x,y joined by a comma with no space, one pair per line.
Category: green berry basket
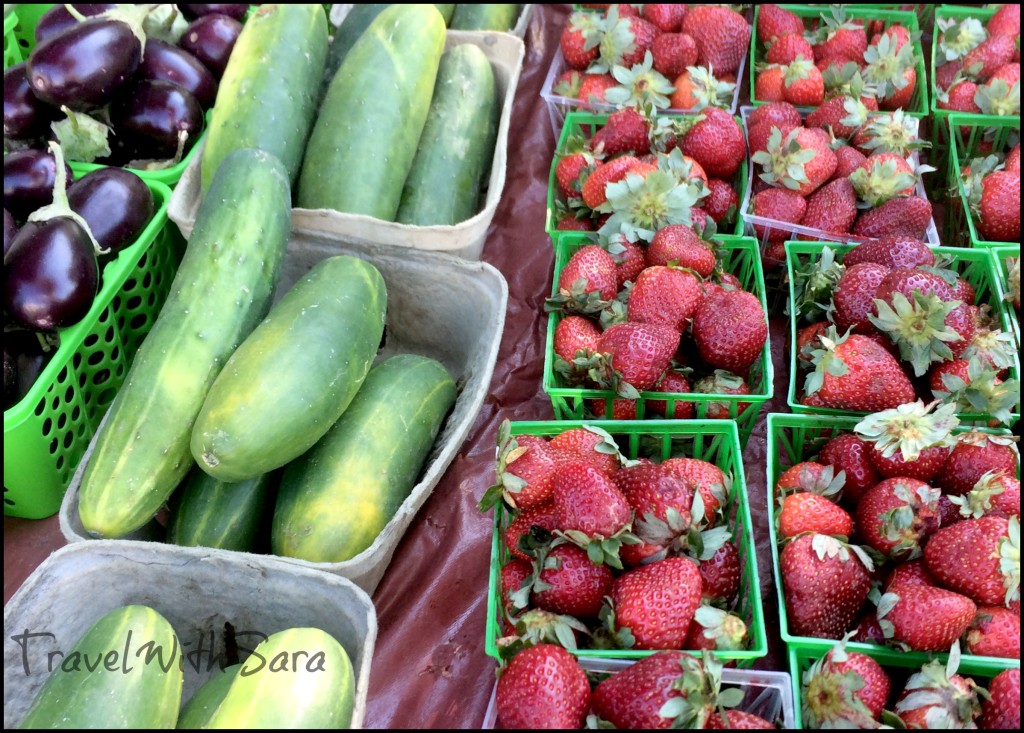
898,666
586,124
973,136
908,19
796,438
1001,264
12,51
716,441
741,257
48,431
974,265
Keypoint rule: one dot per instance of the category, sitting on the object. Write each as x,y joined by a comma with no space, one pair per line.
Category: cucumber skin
355,23
268,94
336,499
457,145
210,513
222,290
197,711
295,374
262,698
446,11
144,697
489,17
365,137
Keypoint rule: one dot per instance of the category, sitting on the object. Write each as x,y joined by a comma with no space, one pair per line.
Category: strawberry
803,85
716,630
513,575
695,88
567,173
567,582
825,583
626,130
678,243
570,223
738,719
656,602
722,36
925,618
542,686
593,87
998,211
580,40
842,114
634,697
832,208
630,259
893,252
974,557
898,217
589,445
673,52
848,159
526,467
626,39
587,281
802,161
883,176
994,52
730,329
912,441
778,204
995,632
844,689
854,296
774,21
841,41
788,48
675,382
722,203
807,512
604,173
897,515
770,84
914,572
1002,708
667,16
946,74
761,133
777,113
855,373
809,477
541,515
661,504
907,281
666,296
959,97
640,353
574,334
568,84
975,454
721,575
936,697
723,383
1005,21
716,141
706,477
995,493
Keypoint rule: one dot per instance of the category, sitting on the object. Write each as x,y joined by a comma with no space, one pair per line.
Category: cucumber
457,145
269,91
206,512
485,17
222,290
335,499
297,678
293,377
355,22
446,11
111,679
207,699
365,137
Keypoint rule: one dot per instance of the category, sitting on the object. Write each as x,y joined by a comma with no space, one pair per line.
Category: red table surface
429,668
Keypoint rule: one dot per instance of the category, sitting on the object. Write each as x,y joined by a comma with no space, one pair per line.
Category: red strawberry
981,62
513,573
844,689
959,98
946,73
665,296
568,84
968,558
999,208
825,583
897,515
570,223
872,380
1005,21
580,40
802,161
907,281
788,48
995,632
812,513
995,493
675,382
656,602
975,454
542,686
730,329
936,698
854,296
661,504
673,52
722,36
678,243
777,113
843,114
614,170
894,253
641,352
883,176
574,334
567,173
722,203
526,467
716,141
542,515
925,618
1002,709
706,477
569,583
626,39
667,16
589,446
770,86
738,719
845,41
804,85
593,87
590,270
924,467
634,697
723,383
832,208
625,131
721,575
778,204
914,572
809,477
848,160
774,21
898,217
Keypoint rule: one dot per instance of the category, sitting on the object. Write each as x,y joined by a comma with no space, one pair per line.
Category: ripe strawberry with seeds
854,296
721,575
706,477
806,512
541,516
990,55
832,208
664,295
778,204
770,85
722,35
675,382
723,382
567,173
716,141
575,334
565,581
914,572
625,131
590,511
894,253
843,114
672,53
591,445
587,282
897,515
786,49
844,689
722,203
995,632
626,39
801,162
899,217
738,720
937,697
525,472
774,21
1001,710
810,477
661,504
995,493
730,329
925,618
580,40
656,602
998,207
803,85
855,373
911,441
667,16
848,160
542,686
640,354
882,177
716,630
681,244
975,454
593,88
979,558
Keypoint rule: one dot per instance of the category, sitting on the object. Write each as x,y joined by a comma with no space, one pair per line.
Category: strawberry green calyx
909,428
640,206
699,691
845,79
998,98
681,168
1009,560
814,284
507,484
784,161
591,26
993,346
725,629
607,444
1013,281
883,180
935,687
893,132
577,299
829,694
569,86
919,329
722,382
977,502
541,627
709,90
907,524
602,550
826,360
832,21
668,132
826,483
886,66
617,42
959,37
640,86
982,392
973,174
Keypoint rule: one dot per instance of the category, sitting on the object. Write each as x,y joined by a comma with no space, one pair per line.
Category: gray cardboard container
196,590
439,306
465,239
767,694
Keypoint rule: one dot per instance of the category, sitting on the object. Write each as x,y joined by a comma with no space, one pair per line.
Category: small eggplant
165,62
86,65
25,357
115,203
150,115
25,115
210,38
232,10
10,231
29,177
57,19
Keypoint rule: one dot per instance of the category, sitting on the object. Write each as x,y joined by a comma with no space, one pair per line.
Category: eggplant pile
120,85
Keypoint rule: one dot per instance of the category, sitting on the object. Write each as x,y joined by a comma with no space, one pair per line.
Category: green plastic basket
48,431
570,403
973,136
586,124
796,438
1001,274
918,104
12,51
25,40
716,441
974,265
898,666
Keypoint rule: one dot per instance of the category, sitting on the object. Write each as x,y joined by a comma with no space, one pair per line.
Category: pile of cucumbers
382,122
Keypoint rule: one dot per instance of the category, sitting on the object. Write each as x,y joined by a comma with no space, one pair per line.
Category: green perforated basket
716,441
48,431
1002,258
741,258
12,51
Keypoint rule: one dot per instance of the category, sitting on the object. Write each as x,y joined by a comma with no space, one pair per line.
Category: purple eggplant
10,231
24,360
51,275
57,19
29,176
169,63
231,10
210,38
25,115
86,65
115,203
149,115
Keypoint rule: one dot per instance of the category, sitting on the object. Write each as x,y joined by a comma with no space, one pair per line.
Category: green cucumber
197,711
335,499
297,678
485,17
352,26
365,137
222,290
207,512
457,145
295,374
269,91
112,679
446,11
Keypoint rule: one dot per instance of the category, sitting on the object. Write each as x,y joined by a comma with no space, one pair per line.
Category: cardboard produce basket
466,239
200,592
438,306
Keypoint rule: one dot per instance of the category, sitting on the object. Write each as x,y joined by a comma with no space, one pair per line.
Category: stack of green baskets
716,441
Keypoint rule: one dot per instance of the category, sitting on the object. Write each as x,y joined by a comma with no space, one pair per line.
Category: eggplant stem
61,206
73,12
